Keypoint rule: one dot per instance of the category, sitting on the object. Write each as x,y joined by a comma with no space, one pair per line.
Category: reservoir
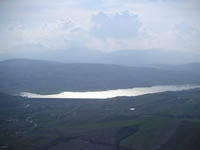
113,93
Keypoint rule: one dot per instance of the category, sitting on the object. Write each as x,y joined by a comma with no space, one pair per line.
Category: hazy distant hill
146,57
19,75
192,67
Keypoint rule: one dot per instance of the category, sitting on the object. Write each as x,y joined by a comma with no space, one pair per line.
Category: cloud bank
105,25
123,25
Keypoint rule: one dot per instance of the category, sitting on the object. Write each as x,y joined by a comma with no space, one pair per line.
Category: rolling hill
19,75
164,121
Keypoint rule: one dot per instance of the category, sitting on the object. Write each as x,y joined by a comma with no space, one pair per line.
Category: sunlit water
113,93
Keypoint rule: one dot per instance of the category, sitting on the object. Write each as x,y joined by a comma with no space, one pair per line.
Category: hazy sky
105,25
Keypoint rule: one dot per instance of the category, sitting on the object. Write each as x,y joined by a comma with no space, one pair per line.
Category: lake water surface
113,93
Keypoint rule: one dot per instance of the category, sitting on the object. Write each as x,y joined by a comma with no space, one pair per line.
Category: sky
99,25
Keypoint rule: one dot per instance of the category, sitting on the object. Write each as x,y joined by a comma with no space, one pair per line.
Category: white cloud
188,36
102,25
123,25
57,35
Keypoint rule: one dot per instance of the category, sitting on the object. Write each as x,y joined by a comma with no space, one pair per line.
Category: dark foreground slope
51,77
165,121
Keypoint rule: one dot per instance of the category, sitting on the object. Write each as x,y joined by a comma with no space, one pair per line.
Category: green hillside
164,121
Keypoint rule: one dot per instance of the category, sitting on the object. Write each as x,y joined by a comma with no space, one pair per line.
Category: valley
162,121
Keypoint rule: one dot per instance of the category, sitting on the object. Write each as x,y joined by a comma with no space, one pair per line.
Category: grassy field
164,121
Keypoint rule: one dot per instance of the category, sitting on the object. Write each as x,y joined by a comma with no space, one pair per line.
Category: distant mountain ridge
38,76
193,67
147,57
